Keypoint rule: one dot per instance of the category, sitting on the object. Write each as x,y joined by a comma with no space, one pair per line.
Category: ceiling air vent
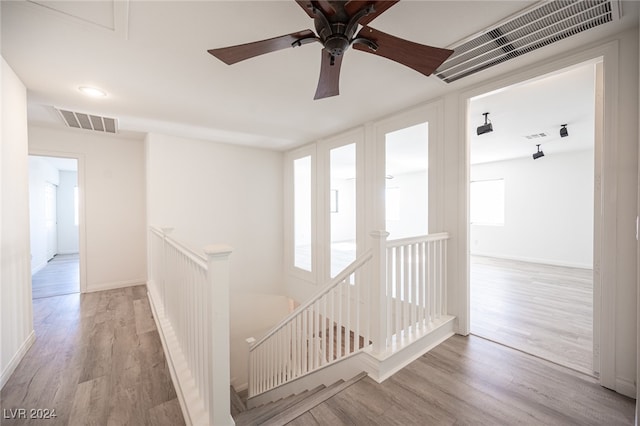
80,120
536,136
537,27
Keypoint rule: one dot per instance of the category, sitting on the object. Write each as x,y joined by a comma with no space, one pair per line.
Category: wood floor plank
143,316
544,310
166,413
94,362
90,402
60,276
470,380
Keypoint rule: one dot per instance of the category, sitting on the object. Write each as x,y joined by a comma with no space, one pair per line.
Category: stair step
237,404
262,413
311,402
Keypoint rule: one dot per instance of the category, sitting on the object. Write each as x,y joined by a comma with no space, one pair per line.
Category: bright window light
487,202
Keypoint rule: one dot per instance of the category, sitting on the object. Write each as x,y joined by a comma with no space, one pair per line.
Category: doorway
54,225
532,228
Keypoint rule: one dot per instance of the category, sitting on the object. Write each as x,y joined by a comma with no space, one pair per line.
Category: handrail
189,293
420,239
394,291
200,258
353,266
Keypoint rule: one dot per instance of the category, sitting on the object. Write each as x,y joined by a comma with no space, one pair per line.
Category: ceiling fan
336,24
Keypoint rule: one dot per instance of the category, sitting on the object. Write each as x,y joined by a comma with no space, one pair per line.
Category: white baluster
379,295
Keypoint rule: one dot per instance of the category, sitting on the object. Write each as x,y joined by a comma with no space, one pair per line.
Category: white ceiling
535,107
151,58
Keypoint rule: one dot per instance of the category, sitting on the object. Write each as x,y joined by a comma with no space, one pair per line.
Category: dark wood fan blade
329,82
324,5
231,55
422,58
353,6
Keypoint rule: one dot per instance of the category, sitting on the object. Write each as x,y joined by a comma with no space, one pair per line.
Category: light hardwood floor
60,276
97,360
473,381
543,310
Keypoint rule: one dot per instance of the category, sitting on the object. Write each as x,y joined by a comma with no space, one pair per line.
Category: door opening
532,228
54,222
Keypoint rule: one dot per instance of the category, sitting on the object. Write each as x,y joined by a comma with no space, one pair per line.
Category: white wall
113,189
16,319
219,193
548,210
68,238
40,172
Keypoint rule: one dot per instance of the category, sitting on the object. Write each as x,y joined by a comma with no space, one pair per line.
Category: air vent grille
79,120
538,27
536,136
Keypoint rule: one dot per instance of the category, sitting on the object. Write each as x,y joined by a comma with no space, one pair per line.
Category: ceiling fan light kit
336,24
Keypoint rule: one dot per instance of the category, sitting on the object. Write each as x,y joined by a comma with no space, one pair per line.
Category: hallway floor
97,360
60,276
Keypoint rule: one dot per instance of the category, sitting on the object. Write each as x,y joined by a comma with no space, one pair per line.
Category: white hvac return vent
80,120
544,24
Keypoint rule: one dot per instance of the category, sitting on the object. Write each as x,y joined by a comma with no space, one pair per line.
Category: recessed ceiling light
92,91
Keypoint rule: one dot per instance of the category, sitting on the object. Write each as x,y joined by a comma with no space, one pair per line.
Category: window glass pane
343,207
487,202
302,213
407,187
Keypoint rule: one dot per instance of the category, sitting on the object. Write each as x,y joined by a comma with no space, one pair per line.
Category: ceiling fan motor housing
337,44
336,31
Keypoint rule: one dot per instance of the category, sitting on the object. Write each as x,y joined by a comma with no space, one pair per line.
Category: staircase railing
392,291
416,283
332,325
189,292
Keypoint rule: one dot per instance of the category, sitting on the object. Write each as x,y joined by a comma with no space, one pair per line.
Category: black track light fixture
563,131
486,127
538,154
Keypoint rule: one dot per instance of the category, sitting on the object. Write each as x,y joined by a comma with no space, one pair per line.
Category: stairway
287,409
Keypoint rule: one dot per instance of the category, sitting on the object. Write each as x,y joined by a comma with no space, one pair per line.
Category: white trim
17,357
323,150
534,260
382,366
115,285
82,225
289,231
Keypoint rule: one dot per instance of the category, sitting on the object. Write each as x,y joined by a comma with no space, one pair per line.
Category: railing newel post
219,377
379,287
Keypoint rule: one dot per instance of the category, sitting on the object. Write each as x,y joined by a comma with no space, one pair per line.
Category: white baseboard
115,285
13,364
552,262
